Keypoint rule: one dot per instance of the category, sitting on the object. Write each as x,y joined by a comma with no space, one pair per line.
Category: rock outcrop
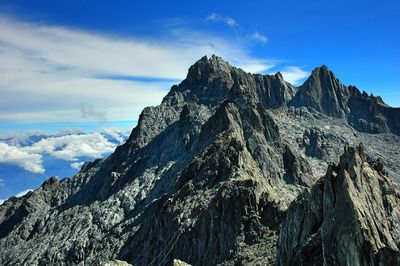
208,177
323,92
349,217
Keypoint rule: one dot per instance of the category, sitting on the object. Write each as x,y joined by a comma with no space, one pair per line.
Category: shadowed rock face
323,92
371,114
207,177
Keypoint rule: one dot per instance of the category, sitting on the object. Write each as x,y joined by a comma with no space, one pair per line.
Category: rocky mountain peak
323,92
210,81
279,75
207,68
223,173
320,72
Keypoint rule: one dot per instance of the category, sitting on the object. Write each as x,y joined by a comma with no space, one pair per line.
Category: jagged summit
200,71
222,172
350,215
323,92
321,68
210,81
279,75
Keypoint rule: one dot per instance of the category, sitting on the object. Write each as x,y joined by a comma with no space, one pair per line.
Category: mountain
323,92
350,216
231,168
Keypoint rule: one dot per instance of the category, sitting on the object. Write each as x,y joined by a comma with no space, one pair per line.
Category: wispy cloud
231,22
89,111
48,70
259,37
215,17
294,74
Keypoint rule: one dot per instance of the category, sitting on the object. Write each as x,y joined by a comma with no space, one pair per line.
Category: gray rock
351,216
207,177
324,93
117,263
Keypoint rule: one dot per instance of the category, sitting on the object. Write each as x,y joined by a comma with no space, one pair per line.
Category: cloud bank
69,147
31,162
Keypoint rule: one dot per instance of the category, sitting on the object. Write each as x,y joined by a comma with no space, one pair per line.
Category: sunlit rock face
231,168
350,216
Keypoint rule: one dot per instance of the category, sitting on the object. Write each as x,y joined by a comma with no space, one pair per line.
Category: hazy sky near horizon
94,65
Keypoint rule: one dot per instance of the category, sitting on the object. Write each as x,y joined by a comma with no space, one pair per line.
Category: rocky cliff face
350,216
324,93
208,176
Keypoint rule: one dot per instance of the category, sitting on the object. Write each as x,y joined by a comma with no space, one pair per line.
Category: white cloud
21,138
23,193
89,111
260,37
118,134
20,194
70,147
294,74
17,156
58,70
77,165
70,131
231,22
215,17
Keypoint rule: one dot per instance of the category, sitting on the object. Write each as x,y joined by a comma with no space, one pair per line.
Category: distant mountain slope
323,92
215,175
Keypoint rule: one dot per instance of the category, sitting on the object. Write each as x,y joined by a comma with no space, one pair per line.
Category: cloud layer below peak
22,152
31,162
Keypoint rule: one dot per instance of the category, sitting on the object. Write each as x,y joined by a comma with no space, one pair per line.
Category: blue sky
80,51
97,64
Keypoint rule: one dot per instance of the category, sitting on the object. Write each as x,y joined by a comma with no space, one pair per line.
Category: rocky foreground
231,168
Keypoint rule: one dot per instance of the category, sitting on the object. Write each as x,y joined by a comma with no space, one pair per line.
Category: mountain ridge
207,176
